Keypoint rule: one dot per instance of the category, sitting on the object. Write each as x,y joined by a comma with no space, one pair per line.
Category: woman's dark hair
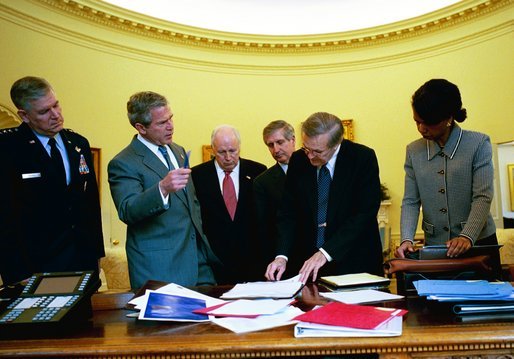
438,100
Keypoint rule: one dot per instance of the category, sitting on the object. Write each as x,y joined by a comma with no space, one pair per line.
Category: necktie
229,194
57,162
162,149
324,180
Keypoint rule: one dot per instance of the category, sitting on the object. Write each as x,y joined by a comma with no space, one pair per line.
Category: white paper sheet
252,307
278,289
361,296
245,325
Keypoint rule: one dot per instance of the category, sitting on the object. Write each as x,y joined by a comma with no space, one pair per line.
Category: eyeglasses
315,153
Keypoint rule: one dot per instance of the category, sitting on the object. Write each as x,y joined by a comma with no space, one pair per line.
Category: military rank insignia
83,168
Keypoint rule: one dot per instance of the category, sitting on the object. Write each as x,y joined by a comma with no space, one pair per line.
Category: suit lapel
340,180
179,156
151,161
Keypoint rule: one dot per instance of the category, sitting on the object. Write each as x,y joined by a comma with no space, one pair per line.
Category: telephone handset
48,298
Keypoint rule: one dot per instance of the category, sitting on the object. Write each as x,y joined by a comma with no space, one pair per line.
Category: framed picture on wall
348,129
95,152
207,153
510,171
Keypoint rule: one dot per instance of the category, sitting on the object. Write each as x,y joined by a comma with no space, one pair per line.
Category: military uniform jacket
44,227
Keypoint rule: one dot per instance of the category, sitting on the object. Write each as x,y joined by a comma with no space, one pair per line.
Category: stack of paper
349,320
361,296
471,296
176,303
277,290
356,280
464,290
245,308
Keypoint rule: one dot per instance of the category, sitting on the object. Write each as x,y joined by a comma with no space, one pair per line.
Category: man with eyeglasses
331,199
224,186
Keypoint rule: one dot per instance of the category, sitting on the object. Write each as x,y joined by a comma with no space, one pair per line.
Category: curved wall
97,55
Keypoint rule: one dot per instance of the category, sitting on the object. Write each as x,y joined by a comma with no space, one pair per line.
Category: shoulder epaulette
8,130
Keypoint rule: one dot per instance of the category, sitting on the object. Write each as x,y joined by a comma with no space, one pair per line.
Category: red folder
350,315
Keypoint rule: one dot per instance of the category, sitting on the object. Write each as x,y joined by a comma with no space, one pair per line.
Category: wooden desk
426,333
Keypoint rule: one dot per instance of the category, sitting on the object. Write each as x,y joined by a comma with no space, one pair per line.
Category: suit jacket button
442,190
444,210
441,172
446,229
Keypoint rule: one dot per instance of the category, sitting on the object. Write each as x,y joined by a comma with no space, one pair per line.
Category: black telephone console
47,298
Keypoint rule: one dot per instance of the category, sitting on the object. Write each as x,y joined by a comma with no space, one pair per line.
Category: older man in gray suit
154,195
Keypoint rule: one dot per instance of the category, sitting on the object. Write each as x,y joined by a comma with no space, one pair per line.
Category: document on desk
392,328
351,315
361,296
462,290
278,289
355,280
246,308
175,289
167,307
246,325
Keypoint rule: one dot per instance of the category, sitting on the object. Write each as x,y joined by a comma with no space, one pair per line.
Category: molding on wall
128,21
124,33
8,118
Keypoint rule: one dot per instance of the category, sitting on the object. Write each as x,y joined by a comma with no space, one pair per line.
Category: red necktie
229,194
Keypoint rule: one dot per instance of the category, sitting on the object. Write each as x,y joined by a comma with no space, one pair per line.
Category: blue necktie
57,162
324,180
162,149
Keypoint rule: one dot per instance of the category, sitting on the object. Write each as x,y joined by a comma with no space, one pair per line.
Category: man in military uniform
50,214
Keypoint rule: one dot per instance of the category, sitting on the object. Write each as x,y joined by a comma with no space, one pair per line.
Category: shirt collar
331,164
44,139
220,171
151,146
450,148
284,166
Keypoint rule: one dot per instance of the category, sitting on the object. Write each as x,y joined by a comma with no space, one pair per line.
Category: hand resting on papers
309,269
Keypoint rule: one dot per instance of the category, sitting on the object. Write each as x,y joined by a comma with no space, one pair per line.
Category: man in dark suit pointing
50,214
224,186
331,199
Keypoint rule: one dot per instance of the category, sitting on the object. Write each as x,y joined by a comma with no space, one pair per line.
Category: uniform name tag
30,175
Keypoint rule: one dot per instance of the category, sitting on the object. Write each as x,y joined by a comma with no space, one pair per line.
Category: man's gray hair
320,123
274,126
225,127
28,89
